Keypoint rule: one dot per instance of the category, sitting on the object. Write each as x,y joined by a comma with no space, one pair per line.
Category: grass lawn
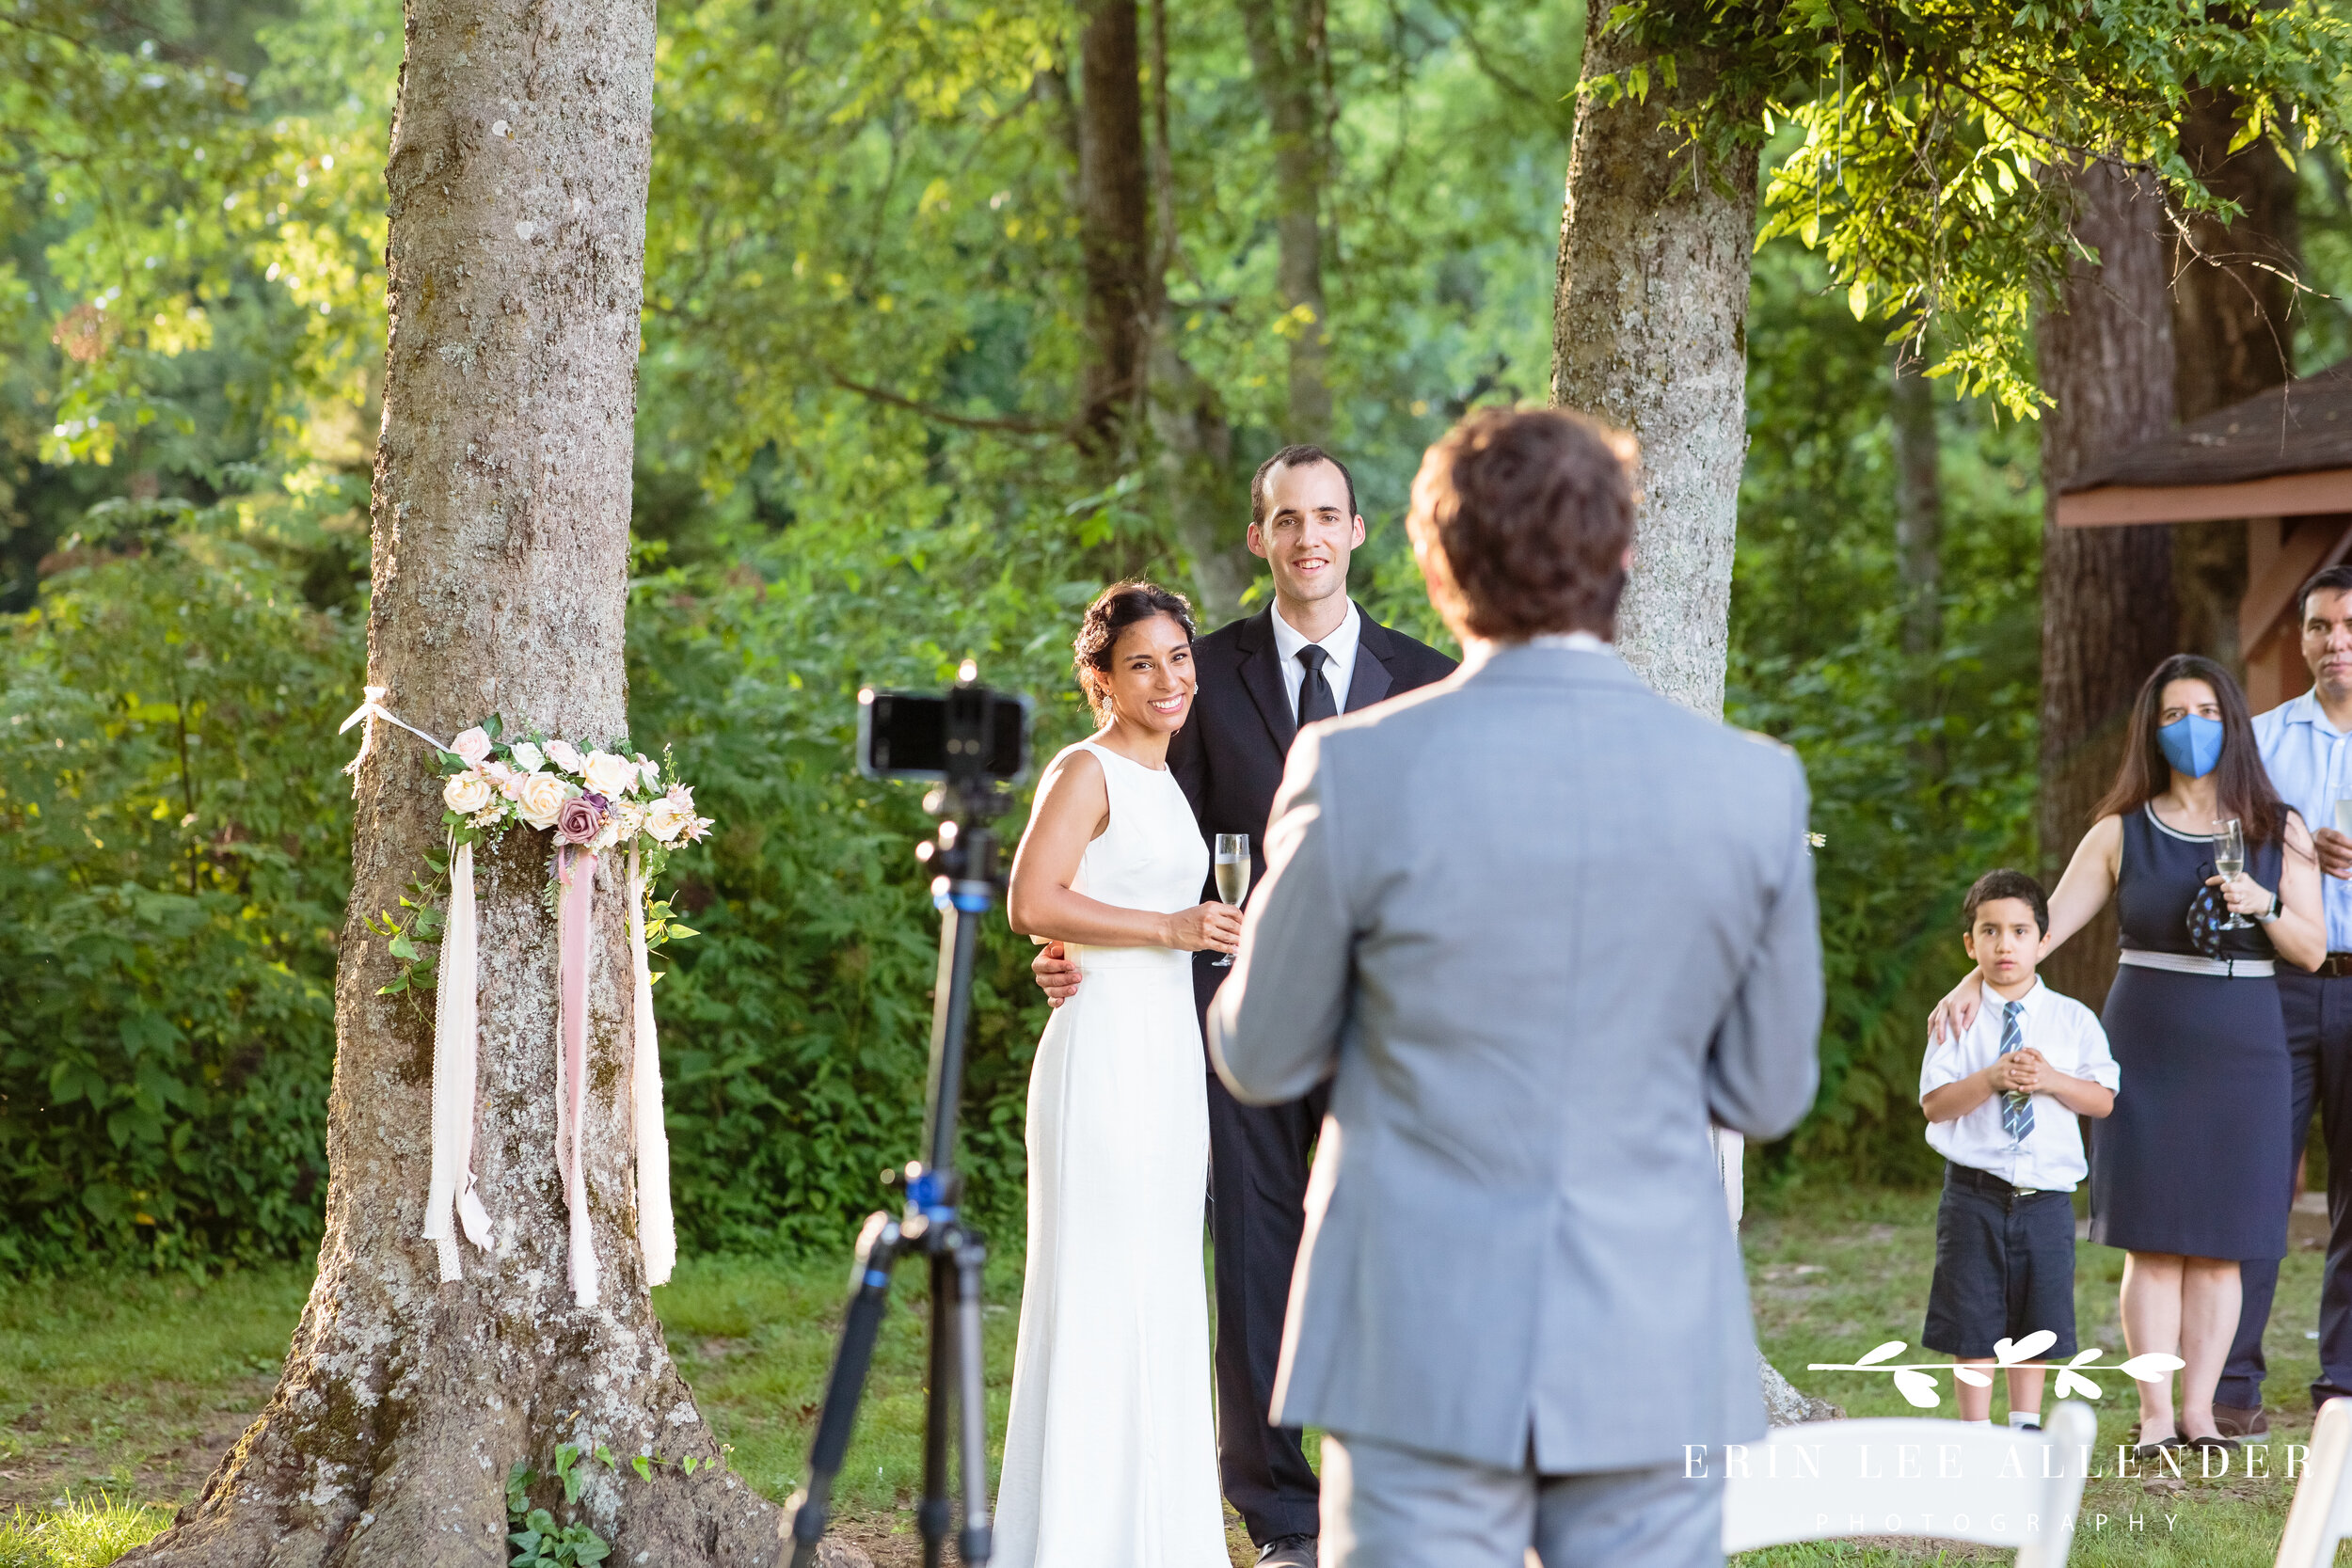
118,1392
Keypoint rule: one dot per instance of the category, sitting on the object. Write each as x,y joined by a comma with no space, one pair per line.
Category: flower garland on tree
596,803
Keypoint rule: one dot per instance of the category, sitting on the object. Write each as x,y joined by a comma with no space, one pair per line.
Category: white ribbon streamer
456,1049
655,1230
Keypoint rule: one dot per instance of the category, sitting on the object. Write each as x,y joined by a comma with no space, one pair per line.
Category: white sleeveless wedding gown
1110,1453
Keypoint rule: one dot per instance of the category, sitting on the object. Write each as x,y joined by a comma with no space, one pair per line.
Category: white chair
2322,1514
1829,1480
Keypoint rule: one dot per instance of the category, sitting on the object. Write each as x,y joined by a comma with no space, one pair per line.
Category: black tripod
965,854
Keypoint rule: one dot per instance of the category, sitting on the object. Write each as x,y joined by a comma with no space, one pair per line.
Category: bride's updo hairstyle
1116,608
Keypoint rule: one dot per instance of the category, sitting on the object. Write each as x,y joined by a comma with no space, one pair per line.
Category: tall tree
2104,354
1290,56
1650,332
516,187
2232,334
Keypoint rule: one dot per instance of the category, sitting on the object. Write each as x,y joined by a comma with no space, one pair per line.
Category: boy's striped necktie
2016,1105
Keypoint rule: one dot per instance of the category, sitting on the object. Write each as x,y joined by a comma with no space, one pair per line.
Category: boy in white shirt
2000,1102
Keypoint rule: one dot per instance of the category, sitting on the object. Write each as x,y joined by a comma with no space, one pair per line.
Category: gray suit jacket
1543,925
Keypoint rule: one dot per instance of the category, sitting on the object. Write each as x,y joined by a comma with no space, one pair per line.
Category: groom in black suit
1311,654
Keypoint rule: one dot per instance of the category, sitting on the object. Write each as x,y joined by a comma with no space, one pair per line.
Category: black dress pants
2318,1013
1258,1167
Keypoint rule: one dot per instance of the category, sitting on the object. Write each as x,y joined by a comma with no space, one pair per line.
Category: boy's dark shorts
2004,1267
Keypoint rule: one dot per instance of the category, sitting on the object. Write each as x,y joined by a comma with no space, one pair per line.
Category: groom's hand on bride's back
1057,975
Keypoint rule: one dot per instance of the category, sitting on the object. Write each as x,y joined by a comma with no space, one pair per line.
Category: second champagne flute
2229,859
1232,880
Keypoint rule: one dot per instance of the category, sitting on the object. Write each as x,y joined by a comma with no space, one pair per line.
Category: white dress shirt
1337,672
2310,768
2049,1158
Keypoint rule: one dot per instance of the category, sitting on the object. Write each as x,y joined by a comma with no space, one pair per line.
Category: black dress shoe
1288,1551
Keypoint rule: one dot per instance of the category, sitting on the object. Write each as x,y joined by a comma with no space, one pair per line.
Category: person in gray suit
1538,925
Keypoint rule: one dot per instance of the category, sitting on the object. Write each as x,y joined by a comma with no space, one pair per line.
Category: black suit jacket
1231,753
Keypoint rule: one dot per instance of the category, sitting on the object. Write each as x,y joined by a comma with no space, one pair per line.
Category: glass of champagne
1232,880
2229,858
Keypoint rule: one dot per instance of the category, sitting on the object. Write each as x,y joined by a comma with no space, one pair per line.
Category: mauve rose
539,796
609,775
467,793
473,745
580,818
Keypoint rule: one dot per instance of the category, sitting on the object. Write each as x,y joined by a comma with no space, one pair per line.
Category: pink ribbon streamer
576,872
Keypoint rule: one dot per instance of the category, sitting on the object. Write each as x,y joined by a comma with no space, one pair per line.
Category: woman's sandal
2156,1449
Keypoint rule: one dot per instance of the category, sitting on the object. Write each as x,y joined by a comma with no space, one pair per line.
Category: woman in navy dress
2192,1172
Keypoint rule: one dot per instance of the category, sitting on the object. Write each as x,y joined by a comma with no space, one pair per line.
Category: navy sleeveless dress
2196,1158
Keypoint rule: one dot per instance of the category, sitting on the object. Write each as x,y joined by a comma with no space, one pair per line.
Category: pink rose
579,820
473,745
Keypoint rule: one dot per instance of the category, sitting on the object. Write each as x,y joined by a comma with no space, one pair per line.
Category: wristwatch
2273,915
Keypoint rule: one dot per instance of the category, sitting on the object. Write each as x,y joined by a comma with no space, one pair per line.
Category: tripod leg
878,1250
932,1516
976,1544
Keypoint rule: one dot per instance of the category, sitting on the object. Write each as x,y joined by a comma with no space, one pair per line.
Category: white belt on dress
2192,963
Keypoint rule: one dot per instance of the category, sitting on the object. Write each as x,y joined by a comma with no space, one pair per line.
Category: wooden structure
2282,461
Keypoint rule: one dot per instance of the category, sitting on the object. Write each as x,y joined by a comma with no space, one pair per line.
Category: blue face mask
2192,744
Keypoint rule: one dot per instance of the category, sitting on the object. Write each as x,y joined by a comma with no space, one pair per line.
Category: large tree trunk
2231,338
1113,225
2105,355
1290,74
516,189
1649,329
1650,332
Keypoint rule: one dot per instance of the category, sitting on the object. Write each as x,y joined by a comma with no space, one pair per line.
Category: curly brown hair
1116,608
1534,510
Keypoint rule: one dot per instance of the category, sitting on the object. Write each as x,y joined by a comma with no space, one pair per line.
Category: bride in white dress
1110,1453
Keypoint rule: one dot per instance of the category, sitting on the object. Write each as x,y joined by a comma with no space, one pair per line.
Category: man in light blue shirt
2307,747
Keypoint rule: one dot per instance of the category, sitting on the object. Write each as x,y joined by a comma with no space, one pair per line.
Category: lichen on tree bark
516,185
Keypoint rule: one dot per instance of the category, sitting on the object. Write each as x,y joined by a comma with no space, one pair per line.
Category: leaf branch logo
1915,1382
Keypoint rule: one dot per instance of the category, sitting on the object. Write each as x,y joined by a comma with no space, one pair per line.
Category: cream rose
473,745
467,793
608,775
665,819
561,754
539,796
527,756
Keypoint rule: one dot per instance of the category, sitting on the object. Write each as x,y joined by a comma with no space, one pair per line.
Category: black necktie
1314,693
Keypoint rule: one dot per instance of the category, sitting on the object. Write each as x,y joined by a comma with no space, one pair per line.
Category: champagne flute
2229,859
1232,880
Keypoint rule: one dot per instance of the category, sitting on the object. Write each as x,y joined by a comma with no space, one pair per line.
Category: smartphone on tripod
973,743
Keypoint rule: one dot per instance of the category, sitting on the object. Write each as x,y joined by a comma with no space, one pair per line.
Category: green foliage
177,858
1932,129
538,1540
1922,767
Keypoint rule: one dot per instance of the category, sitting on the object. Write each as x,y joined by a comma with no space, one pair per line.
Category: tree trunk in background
1918,547
1650,328
1113,226
1918,504
2231,338
1650,332
1206,500
517,191
1290,74
2105,355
